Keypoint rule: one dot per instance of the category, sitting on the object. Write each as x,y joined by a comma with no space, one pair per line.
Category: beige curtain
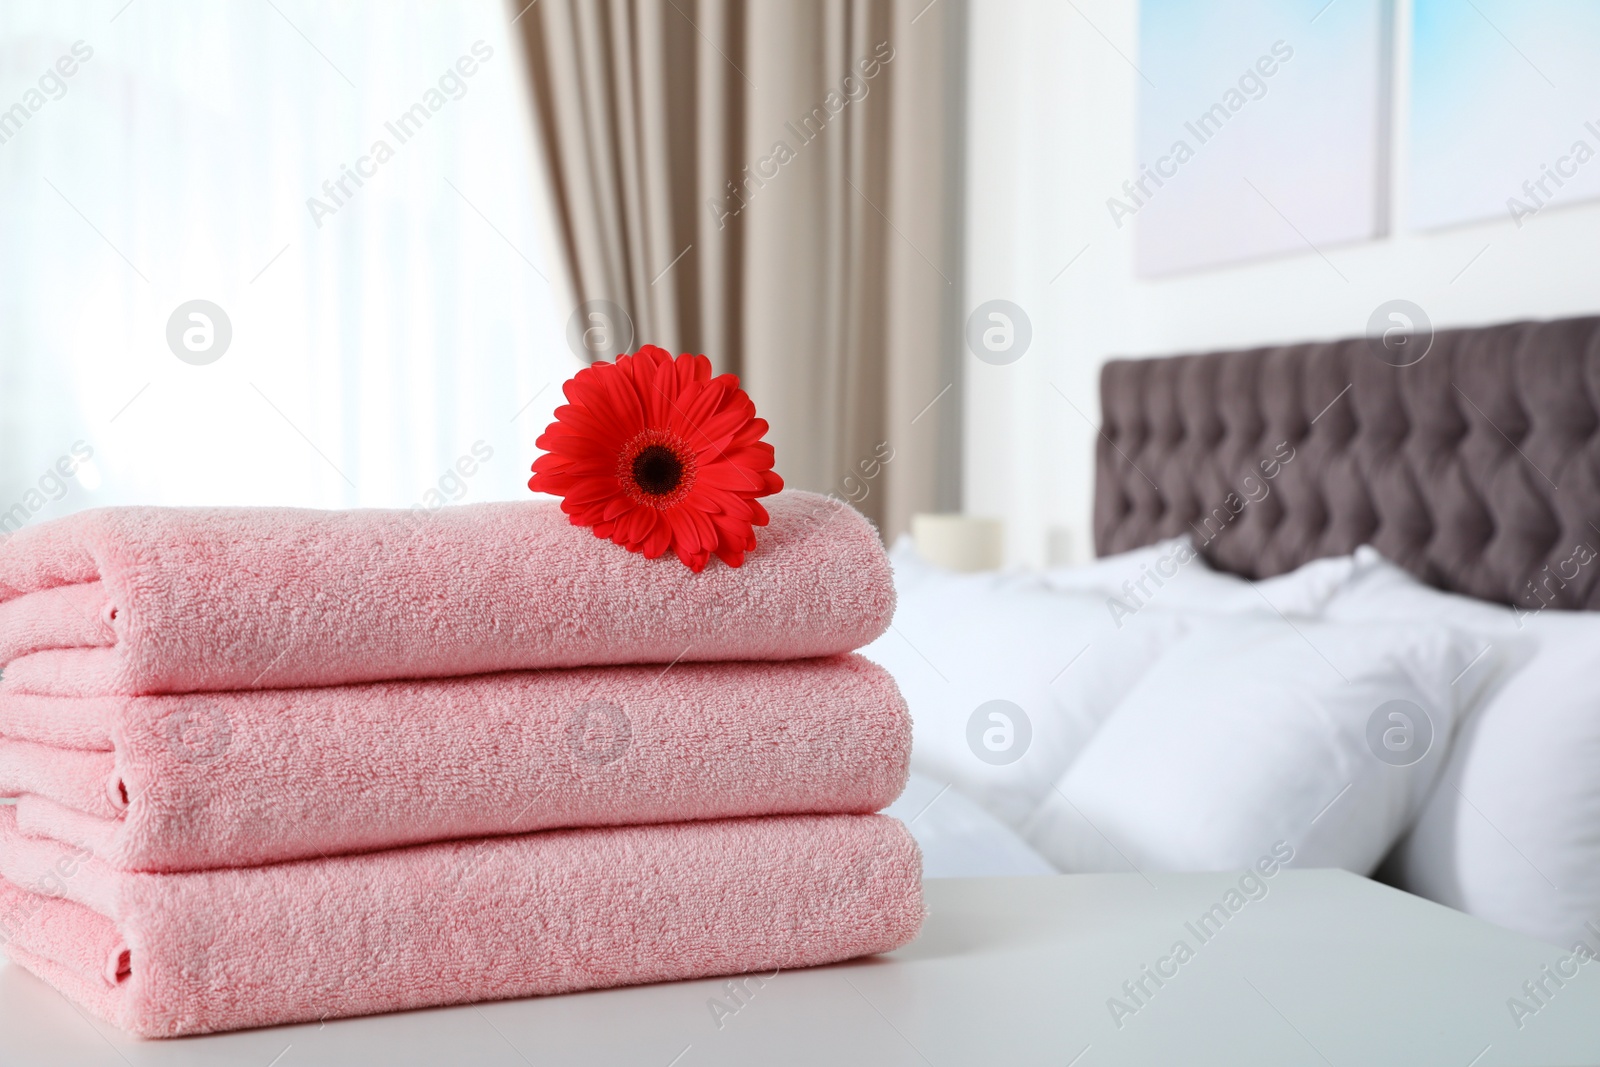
775,183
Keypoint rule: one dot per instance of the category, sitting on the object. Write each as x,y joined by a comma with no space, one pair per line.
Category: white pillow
1512,833
960,642
1253,731
1172,575
959,839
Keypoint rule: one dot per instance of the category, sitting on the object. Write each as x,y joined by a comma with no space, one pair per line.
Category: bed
1341,611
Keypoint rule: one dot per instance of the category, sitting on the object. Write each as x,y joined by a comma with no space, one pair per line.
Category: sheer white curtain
386,342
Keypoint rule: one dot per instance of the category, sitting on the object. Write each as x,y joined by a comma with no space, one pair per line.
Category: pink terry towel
168,954
163,600
187,782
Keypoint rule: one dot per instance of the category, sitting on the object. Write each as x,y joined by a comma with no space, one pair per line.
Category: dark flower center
657,470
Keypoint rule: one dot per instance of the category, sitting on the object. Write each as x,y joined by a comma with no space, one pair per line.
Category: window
351,192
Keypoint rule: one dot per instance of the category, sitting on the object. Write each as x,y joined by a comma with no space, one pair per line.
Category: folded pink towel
169,954
163,600
186,782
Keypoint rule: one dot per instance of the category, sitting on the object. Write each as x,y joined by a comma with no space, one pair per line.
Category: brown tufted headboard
1476,468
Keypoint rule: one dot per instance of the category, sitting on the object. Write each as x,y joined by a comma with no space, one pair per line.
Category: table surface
1324,969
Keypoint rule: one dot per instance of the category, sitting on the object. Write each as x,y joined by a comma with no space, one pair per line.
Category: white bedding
1006,678
1171,717
1255,733
1512,833
959,839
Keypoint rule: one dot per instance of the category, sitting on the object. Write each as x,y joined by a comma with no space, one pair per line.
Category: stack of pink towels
275,766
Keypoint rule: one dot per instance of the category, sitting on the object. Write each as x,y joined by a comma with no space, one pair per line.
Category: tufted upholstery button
1478,468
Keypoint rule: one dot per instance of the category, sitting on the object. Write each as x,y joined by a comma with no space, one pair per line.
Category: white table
1327,968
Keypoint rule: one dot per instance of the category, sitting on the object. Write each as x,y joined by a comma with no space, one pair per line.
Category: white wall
1051,136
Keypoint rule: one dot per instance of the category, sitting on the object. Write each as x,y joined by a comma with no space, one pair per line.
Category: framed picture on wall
1504,119
1262,130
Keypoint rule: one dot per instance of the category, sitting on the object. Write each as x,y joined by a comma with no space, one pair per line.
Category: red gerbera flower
655,453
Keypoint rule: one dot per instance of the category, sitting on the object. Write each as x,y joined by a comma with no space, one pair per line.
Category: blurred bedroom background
410,223
345,254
